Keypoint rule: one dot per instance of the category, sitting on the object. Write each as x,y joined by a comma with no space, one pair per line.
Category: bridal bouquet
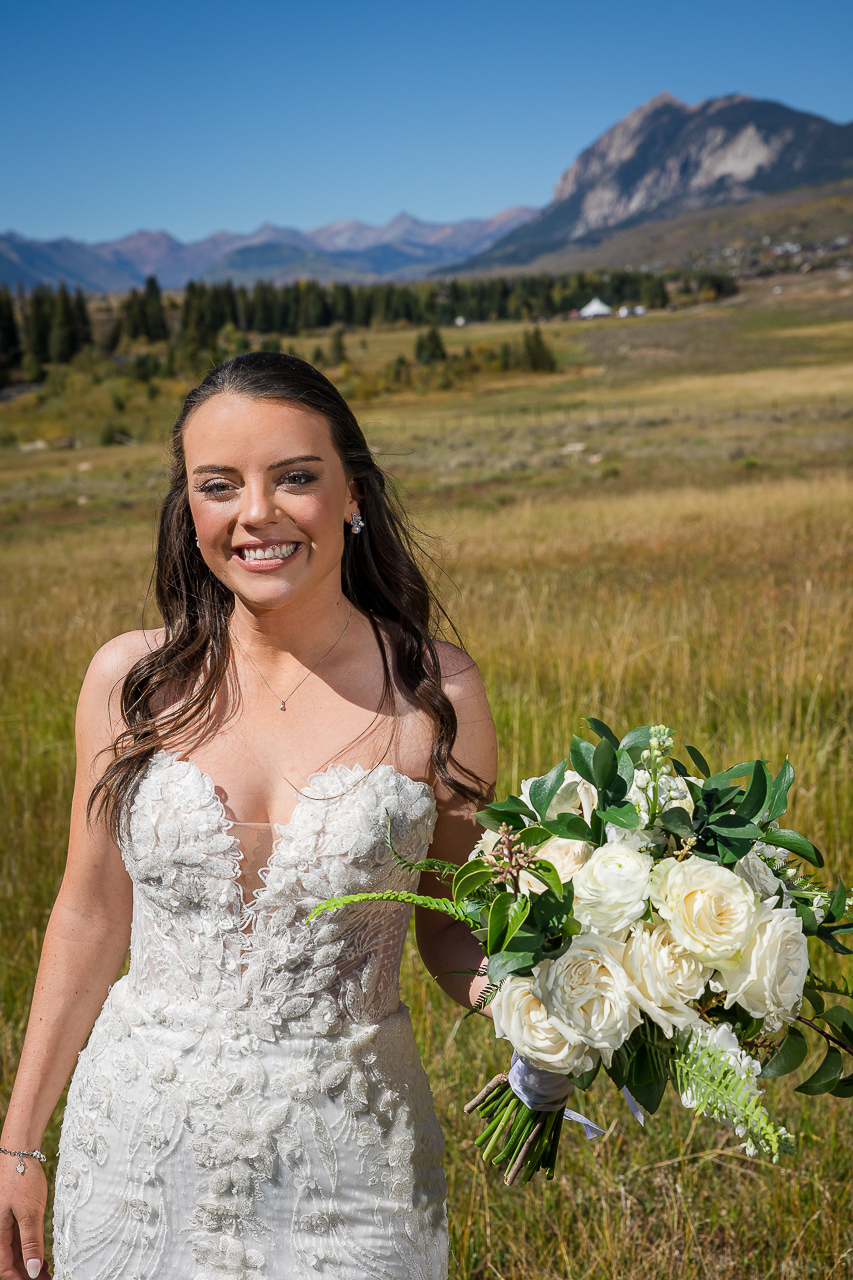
649,923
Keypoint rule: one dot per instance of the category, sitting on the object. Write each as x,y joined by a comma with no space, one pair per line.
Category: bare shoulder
460,677
114,659
98,708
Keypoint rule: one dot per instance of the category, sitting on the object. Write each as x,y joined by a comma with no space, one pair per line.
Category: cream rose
754,870
666,975
566,856
484,845
612,888
711,911
769,980
586,993
575,796
520,1017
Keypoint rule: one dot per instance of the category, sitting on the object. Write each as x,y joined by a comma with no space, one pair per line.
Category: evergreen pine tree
154,317
337,350
429,347
10,338
39,318
536,353
82,323
63,329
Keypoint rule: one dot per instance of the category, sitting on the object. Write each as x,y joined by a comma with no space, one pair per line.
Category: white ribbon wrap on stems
549,1091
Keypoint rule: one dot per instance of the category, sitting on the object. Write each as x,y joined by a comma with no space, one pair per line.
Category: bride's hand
22,1206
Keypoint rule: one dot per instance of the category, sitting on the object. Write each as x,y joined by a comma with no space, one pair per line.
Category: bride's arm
448,947
85,944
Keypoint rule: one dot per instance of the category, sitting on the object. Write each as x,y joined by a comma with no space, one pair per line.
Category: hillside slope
667,158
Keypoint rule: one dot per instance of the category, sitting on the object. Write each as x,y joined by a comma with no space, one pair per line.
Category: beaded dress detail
251,1104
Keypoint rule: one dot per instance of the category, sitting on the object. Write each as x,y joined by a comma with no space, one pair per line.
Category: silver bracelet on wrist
20,1166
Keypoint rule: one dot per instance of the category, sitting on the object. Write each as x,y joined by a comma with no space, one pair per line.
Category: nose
261,503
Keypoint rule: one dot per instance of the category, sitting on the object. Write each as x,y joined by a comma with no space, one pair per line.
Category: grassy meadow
662,530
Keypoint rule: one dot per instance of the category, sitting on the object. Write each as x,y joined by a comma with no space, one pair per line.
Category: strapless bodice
195,934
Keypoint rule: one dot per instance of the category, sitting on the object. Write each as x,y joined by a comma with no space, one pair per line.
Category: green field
659,531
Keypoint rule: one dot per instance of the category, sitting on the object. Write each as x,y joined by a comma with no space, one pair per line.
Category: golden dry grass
692,591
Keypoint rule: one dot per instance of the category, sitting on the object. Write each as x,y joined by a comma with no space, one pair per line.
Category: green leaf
543,790
742,770
647,1078
794,843
828,936
640,737
677,822
530,837
625,766
499,914
621,815
826,1077
586,1078
568,826
841,1020
603,730
546,872
517,917
755,799
838,903
503,963
511,811
808,917
779,794
814,997
604,765
790,1055
680,769
470,876
844,1088
699,760
580,754
733,826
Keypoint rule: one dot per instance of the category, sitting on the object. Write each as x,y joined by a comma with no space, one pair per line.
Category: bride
250,1104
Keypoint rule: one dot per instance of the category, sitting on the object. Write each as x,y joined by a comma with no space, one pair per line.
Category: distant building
595,308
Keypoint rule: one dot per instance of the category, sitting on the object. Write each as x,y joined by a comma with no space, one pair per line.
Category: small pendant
20,1165
282,707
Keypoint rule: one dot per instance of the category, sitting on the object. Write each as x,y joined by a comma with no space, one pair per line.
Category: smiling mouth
278,551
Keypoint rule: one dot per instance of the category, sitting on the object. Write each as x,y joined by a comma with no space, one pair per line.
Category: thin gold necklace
282,702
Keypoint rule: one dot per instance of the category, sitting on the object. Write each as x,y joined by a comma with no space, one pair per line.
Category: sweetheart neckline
249,905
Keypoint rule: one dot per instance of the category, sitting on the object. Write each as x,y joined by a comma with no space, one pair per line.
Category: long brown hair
380,575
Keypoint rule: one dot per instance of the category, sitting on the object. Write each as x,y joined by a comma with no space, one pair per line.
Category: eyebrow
285,462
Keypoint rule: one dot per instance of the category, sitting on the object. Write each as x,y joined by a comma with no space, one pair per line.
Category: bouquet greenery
649,923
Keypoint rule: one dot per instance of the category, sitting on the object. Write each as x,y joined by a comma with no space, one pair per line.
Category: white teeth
275,552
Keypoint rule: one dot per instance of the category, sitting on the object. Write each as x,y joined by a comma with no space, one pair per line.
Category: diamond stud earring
356,522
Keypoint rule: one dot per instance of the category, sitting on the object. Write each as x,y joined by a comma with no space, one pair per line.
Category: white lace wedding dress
251,1104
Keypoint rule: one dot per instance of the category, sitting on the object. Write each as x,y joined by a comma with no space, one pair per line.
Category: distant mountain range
662,161
667,158
347,250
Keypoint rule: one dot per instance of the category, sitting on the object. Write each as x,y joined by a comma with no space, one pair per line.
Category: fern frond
710,1084
441,868
416,900
484,999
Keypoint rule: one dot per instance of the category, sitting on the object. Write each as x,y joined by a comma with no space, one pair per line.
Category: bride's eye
214,488
298,479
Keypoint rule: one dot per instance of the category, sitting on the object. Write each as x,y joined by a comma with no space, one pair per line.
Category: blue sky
196,117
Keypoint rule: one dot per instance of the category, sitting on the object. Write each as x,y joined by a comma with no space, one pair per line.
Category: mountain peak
667,157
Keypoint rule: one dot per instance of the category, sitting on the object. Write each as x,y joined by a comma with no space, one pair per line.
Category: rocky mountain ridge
667,158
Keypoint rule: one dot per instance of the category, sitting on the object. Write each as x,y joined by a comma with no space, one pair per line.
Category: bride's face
269,497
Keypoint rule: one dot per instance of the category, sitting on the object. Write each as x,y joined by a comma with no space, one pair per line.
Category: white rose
612,888
520,1017
711,911
769,980
575,796
484,845
566,856
755,871
587,993
666,975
